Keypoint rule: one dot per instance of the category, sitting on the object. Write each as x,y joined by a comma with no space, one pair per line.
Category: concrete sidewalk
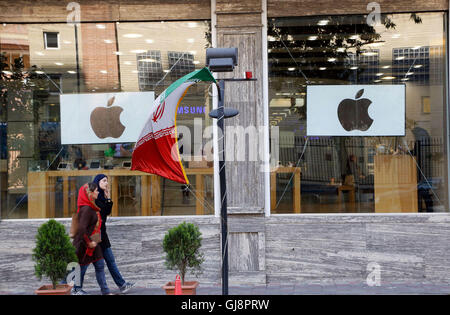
335,289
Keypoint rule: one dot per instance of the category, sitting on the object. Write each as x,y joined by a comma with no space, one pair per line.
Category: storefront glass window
40,63
359,174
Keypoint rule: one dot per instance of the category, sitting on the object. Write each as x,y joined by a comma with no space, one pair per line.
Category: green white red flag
156,150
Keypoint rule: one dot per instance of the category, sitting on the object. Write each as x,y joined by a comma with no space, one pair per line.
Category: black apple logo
353,114
105,121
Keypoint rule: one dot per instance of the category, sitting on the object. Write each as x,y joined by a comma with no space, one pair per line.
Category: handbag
96,238
74,226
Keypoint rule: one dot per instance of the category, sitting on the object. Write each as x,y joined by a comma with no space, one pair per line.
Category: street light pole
223,187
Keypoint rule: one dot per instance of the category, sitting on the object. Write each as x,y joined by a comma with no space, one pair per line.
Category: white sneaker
126,287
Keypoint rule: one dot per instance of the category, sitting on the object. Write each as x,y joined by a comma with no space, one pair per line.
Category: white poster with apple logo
104,117
356,110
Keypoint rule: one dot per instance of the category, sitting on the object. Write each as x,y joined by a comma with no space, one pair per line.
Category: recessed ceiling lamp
323,68
418,66
100,26
353,68
147,60
386,67
312,37
388,78
323,22
331,59
132,35
291,69
59,64
149,41
369,53
400,58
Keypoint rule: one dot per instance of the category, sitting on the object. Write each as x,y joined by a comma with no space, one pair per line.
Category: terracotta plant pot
61,289
188,288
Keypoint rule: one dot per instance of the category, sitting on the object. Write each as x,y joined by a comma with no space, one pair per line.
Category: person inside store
422,153
87,238
105,204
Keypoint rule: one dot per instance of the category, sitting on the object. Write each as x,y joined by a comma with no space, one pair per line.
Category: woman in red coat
88,236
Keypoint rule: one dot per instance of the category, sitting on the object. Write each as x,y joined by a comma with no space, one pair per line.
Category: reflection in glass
360,174
39,62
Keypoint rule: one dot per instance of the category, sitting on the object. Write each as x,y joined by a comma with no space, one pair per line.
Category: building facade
302,207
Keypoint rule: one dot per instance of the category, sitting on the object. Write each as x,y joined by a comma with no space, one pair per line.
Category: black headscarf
101,192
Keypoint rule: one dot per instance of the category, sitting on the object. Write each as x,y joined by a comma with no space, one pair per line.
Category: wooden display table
41,190
395,183
273,186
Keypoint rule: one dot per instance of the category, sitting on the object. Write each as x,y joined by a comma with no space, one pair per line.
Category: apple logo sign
353,114
105,121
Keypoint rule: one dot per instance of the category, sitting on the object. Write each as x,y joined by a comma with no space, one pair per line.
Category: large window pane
40,176
359,174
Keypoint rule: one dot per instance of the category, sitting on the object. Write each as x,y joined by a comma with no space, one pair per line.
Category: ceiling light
353,68
108,41
400,58
196,62
147,60
340,49
386,67
396,36
291,69
71,72
331,59
312,37
409,73
118,53
405,79
100,26
416,47
138,51
59,64
418,66
132,35
377,81
40,53
128,63
323,22
354,37
323,68
40,72
192,24
103,71
190,40
149,41
379,74
369,53
388,78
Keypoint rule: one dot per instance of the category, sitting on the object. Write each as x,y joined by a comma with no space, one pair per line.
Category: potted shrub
182,247
52,254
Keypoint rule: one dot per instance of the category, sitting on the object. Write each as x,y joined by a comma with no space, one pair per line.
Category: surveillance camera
221,59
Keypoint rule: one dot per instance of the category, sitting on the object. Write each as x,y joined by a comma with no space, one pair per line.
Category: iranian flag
156,150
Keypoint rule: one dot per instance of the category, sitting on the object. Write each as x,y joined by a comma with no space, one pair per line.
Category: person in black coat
105,204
